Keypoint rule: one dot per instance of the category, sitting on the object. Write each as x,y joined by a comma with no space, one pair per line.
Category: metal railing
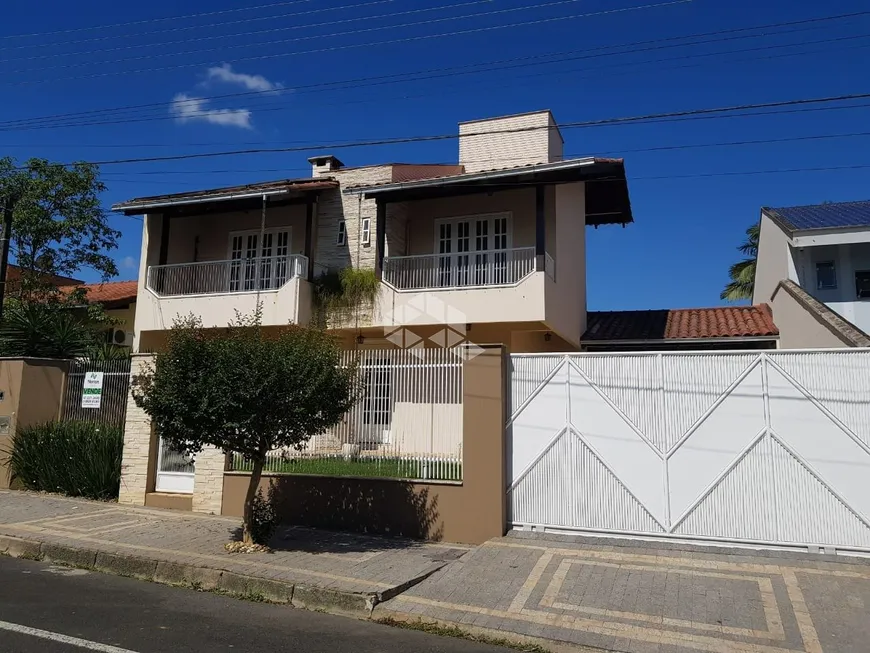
502,267
231,276
408,424
114,387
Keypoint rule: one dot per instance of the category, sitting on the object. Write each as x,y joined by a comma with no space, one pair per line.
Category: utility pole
5,233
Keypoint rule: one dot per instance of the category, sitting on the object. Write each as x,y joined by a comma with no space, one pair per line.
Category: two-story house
493,246
816,260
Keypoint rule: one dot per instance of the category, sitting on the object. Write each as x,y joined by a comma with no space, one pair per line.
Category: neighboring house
15,273
689,329
814,269
118,299
492,247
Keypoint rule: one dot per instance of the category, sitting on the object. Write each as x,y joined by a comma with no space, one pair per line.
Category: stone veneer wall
137,444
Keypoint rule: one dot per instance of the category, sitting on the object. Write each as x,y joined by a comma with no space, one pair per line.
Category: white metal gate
745,447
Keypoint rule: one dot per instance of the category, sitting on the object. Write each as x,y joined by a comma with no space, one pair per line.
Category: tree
58,224
245,391
742,273
45,330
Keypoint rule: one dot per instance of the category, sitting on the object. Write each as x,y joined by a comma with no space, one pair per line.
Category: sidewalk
643,599
337,572
557,590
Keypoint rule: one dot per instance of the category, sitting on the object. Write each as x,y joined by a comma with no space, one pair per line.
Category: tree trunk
253,486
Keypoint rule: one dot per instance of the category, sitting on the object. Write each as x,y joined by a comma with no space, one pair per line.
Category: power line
152,20
49,122
350,46
271,30
652,118
199,27
451,69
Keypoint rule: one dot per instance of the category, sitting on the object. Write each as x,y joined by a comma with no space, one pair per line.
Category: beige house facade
489,251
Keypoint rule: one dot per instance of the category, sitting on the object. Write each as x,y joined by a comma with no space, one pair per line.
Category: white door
174,471
469,250
257,263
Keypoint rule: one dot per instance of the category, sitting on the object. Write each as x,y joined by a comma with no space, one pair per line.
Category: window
862,284
342,233
366,236
826,275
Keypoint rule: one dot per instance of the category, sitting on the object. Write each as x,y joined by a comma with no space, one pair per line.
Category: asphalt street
50,609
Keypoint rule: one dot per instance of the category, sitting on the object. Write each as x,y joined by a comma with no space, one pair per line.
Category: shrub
79,459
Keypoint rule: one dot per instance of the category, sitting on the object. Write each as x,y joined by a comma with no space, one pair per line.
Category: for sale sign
92,394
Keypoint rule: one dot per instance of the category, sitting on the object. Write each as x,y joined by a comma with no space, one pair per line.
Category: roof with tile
835,215
681,324
114,293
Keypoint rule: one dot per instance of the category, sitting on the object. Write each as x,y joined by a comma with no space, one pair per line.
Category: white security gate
766,448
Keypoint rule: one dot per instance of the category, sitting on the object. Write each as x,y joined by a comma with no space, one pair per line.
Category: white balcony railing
232,276
502,267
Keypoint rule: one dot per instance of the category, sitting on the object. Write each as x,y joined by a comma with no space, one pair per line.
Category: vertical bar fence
113,394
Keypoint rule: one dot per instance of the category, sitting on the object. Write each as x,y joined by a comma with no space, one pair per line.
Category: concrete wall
469,512
775,261
32,394
565,303
139,460
536,141
802,327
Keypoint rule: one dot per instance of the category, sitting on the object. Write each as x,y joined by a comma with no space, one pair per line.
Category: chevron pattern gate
763,448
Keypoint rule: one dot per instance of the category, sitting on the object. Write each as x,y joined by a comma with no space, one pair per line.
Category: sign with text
92,394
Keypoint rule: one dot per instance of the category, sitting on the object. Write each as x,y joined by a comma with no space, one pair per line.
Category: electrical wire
452,70
336,48
625,120
271,30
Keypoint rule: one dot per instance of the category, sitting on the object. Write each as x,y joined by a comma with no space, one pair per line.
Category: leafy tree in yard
742,273
246,391
58,224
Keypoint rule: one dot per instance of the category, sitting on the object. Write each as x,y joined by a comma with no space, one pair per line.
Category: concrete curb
351,604
553,646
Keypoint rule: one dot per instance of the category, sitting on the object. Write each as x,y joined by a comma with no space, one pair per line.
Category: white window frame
256,232
471,218
342,234
366,232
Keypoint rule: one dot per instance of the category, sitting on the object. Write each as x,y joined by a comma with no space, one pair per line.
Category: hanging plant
344,297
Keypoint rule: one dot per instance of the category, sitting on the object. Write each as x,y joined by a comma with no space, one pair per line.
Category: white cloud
187,108
225,73
129,263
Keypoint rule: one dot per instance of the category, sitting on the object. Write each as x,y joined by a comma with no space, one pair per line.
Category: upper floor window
342,233
862,284
366,236
826,275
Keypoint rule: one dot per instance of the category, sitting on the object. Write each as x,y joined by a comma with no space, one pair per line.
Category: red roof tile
111,292
681,324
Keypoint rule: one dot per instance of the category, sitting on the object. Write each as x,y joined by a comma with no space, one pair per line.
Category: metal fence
408,423
502,267
97,391
230,276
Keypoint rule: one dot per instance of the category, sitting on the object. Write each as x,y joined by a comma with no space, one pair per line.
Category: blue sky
687,226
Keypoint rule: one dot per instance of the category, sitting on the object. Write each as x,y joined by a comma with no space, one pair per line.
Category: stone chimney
324,164
509,141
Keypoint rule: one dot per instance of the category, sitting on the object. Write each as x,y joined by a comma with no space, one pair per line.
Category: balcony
490,286
215,290
491,268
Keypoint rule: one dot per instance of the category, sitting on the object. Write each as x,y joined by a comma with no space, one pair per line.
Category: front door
174,471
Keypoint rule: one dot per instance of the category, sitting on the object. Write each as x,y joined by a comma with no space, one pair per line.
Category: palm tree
742,273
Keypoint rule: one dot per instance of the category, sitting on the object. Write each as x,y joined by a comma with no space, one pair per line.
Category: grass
454,631
368,467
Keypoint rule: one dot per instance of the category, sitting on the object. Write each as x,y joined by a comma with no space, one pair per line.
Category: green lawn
369,467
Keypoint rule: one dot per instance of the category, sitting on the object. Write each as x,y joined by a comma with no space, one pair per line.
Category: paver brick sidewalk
320,569
650,599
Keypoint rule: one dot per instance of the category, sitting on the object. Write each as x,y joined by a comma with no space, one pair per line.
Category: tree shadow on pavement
365,510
